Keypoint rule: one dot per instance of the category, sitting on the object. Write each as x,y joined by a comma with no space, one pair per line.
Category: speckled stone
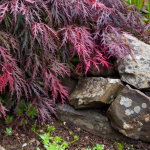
136,71
95,92
129,114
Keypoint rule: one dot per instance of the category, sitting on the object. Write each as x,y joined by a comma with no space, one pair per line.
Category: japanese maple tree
38,39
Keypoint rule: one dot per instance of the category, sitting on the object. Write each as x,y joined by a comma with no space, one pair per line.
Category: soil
86,140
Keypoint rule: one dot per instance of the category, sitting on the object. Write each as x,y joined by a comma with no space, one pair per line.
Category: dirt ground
86,140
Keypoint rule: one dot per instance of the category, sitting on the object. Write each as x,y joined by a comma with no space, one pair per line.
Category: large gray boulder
135,71
130,114
89,120
95,92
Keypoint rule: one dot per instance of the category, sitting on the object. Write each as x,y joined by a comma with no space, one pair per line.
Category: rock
130,114
89,120
104,72
136,72
37,142
69,83
147,93
16,134
2,148
95,92
23,135
25,144
41,131
34,141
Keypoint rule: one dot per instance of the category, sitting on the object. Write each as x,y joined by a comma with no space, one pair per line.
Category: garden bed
67,132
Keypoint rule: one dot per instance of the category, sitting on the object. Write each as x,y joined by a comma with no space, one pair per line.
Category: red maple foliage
38,39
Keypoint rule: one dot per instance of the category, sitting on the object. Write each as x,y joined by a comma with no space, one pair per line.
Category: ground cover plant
53,143
31,141
39,41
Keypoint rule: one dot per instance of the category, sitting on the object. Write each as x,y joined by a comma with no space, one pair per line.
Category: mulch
86,140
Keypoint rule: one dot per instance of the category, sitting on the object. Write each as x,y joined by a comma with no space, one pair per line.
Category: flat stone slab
88,120
95,92
130,114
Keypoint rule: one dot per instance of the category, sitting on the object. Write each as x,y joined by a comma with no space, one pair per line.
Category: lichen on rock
129,114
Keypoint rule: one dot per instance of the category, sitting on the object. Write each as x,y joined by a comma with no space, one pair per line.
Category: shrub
39,38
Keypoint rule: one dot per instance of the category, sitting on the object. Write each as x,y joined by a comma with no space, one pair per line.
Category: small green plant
121,147
93,144
23,122
4,138
23,112
60,122
97,147
57,139
50,128
8,131
45,138
71,132
34,126
76,138
52,143
29,110
131,147
9,119
75,59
